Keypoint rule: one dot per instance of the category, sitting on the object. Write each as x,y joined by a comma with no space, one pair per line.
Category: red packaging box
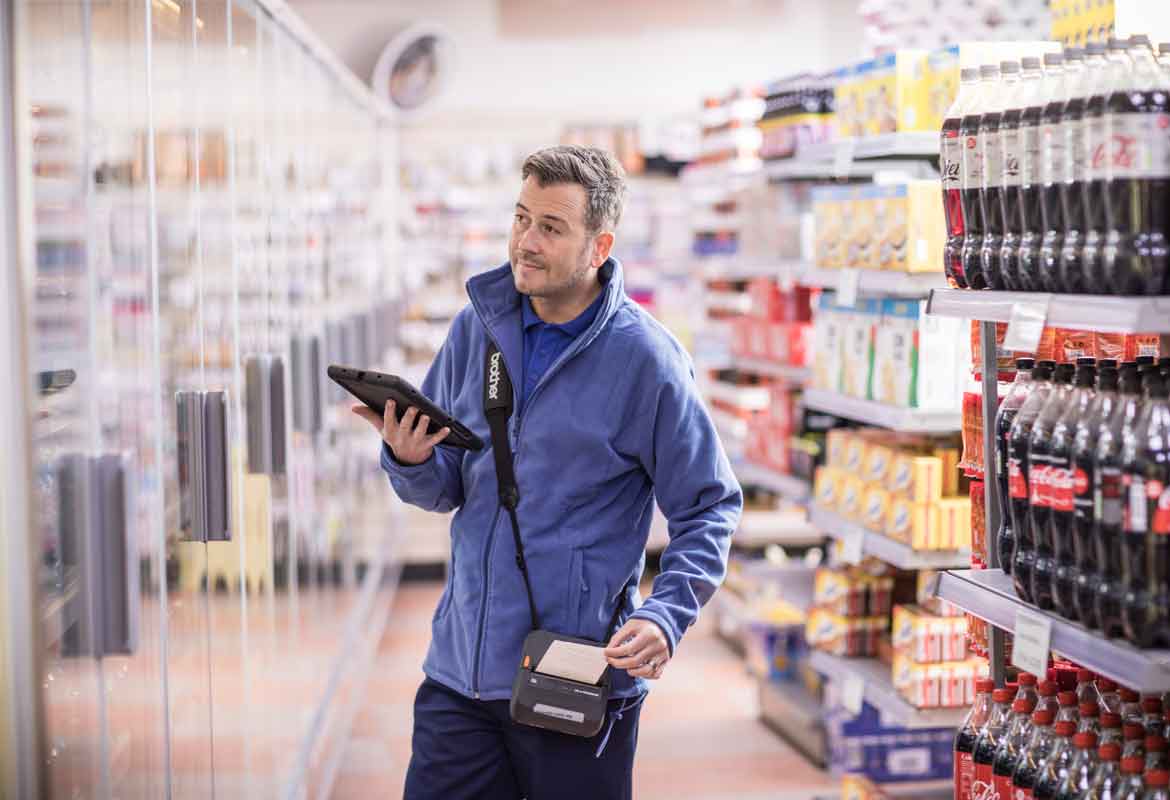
760,335
800,344
1072,344
778,453
741,329
755,448
767,300
778,345
782,408
1125,347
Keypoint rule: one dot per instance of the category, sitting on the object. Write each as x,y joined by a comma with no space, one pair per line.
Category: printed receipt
577,662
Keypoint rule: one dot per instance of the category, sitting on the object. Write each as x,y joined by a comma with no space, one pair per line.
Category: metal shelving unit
771,369
920,144
790,487
1103,313
877,282
749,398
891,551
898,418
989,595
803,168
880,693
762,528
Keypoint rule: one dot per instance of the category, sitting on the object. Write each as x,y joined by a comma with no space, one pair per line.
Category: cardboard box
837,445
875,507
851,496
829,343
855,451
857,367
912,523
927,638
879,463
954,523
945,685
825,487
919,479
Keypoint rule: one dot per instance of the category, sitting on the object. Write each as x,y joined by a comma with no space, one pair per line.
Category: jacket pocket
576,591
449,591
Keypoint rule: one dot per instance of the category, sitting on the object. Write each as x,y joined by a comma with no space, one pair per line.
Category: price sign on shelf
1026,325
852,547
853,694
1033,639
848,284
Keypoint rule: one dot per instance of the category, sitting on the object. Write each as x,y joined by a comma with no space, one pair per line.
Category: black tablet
376,388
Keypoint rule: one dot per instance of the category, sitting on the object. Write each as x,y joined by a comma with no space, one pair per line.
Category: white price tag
853,694
852,547
843,157
1033,638
1027,325
848,284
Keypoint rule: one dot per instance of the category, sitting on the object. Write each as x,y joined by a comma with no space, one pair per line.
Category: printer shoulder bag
539,700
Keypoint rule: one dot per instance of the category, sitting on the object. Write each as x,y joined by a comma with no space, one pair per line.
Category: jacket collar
493,293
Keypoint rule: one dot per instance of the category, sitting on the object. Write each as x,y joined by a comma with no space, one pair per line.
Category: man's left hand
640,648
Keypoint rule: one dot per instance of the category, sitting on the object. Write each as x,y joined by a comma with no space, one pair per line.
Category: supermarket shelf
762,528
812,169
885,283
910,420
728,425
789,487
915,144
749,398
792,712
881,694
989,595
771,369
1083,311
882,547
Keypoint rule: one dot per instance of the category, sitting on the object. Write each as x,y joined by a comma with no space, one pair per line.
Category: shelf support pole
990,371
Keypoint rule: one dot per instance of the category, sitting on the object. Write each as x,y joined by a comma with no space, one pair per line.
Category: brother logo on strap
494,378
497,389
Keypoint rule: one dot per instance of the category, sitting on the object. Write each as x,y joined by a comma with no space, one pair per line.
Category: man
607,418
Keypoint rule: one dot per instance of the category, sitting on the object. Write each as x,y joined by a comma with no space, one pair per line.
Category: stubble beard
569,285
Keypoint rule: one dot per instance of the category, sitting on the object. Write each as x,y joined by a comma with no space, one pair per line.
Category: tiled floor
694,742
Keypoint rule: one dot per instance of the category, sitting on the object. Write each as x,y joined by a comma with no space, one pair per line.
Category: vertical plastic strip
990,369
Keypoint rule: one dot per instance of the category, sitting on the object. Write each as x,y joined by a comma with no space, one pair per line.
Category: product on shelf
896,92
948,684
927,638
973,459
1077,172
1075,23
853,591
861,744
1019,437
889,227
1012,746
798,112
926,598
859,787
978,526
1009,407
966,737
850,637
988,740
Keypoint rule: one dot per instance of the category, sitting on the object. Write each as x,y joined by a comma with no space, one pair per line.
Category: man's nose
528,242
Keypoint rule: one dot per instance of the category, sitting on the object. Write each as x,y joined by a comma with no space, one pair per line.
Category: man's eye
518,220
548,228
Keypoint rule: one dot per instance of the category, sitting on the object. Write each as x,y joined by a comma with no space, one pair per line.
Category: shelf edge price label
1033,639
853,694
852,547
848,285
1026,325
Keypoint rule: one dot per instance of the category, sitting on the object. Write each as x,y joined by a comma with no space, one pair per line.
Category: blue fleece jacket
615,422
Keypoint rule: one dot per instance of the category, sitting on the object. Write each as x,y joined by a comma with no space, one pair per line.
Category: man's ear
602,244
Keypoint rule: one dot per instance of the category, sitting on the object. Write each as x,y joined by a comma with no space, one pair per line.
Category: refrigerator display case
209,199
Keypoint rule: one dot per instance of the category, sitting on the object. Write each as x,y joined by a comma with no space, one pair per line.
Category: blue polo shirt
544,343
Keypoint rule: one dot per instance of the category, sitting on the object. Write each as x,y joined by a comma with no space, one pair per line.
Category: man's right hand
407,439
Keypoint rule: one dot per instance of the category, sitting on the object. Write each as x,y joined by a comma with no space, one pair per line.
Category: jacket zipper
517,425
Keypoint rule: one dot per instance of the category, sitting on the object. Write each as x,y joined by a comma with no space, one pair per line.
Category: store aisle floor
699,739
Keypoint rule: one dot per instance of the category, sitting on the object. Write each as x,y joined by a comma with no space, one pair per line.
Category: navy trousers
464,749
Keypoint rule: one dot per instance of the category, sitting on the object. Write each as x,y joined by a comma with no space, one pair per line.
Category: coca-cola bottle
1086,573
951,165
994,165
1110,728
1107,502
1134,737
1047,697
1068,708
1155,747
1080,771
1026,689
1038,747
974,189
1054,171
1062,474
1099,130
1090,717
1110,696
1018,170
1008,409
1011,746
1053,769
1152,715
968,733
1040,483
1132,787
987,743
1032,129
1138,196
1107,777
1156,785
1146,518
1087,687
1068,262
1019,437
1131,707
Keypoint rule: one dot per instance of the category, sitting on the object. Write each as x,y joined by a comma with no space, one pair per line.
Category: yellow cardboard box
917,478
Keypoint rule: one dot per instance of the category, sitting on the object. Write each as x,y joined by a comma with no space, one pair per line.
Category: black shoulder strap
497,407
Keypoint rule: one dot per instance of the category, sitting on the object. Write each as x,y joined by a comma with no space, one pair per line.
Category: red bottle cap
1133,766
1128,695
984,685
1084,675
1044,716
1106,685
1158,777
1023,705
1134,732
1047,689
1110,720
1027,679
1085,740
1065,728
1152,705
1002,695
1109,752
1089,709
1067,698
1155,744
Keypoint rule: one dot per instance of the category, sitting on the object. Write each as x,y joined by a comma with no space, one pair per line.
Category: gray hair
594,169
